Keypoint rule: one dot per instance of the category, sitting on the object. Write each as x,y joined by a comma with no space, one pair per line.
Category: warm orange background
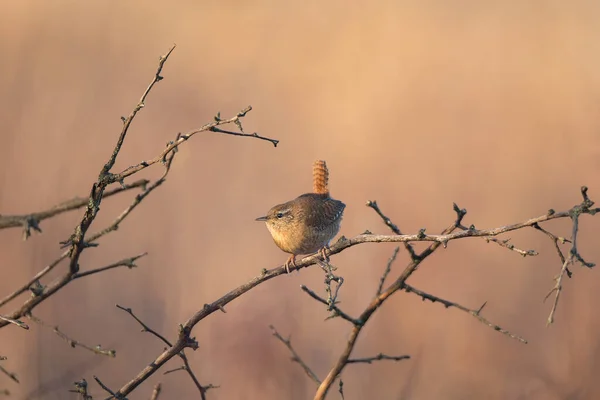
413,104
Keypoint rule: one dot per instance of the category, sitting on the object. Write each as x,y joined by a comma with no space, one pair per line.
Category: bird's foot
323,254
290,261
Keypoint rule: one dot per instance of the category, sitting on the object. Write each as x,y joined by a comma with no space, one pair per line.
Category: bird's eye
279,215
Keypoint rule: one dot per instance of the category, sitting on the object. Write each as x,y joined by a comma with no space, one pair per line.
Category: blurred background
415,104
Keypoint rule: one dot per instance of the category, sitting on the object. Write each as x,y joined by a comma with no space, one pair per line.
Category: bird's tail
320,177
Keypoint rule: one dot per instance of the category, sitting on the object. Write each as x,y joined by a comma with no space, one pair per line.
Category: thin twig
558,289
103,386
334,308
332,295
81,388
11,375
295,357
506,244
126,262
31,221
156,391
555,239
574,255
475,313
392,226
73,342
171,146
387,270
186,365
378,357
16,322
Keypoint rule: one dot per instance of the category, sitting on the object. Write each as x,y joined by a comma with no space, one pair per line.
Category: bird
308,223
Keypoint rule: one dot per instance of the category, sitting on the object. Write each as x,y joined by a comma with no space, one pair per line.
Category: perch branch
341,245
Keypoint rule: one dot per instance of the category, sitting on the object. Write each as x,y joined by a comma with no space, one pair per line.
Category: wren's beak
261,219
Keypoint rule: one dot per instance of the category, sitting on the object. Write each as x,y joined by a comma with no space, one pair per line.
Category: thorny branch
81,387
574,255
475,313
77,242
186,365
156,391
73,342
11,375
342,244
295,357
32,221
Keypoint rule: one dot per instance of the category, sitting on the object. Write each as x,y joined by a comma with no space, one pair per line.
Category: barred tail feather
320,177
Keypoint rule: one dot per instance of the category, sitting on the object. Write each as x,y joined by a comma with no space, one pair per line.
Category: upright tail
320,177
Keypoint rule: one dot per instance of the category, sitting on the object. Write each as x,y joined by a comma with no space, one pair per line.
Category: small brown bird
308,223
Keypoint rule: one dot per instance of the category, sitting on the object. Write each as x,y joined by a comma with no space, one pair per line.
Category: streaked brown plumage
308,223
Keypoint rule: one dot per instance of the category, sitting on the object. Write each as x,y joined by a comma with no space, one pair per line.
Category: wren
308,223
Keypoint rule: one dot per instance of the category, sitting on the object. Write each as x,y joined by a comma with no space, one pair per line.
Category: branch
126,262
378,300
77,242
505,243
334,308
16,322
186,365
11,375
392,226
81,388
475,313
172,146
32,221
378,357
73,342
103,386
295,357
387,270
573,253
156,391
341,245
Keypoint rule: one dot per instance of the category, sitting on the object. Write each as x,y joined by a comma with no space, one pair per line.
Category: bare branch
574,255
31,221
392,226
81,388
73,342
555,240
387,270
16,322
145,328
11,375
378,357
156,391
103,386
186,365
171,146
334,308
506,244
295,357
377,302
342,244
475,313
126,262
558,289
